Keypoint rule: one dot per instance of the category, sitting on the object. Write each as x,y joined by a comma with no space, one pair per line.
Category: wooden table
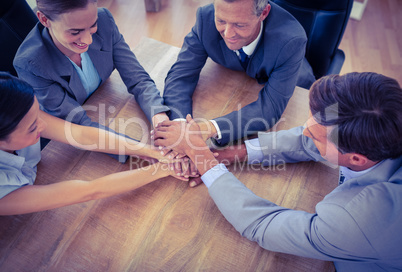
165,225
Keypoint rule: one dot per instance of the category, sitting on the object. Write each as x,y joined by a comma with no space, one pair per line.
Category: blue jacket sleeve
183,77
134,76
330,234
287,146
272,99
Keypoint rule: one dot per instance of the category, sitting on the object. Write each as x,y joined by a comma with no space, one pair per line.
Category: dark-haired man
254,36
356,123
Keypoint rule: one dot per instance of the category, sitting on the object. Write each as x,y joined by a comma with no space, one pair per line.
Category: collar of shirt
349,174
11,160
249,49
29,156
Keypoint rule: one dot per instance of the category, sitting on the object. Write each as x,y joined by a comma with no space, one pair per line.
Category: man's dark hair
365,110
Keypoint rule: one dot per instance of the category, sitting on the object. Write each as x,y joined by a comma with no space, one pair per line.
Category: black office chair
324,22
16,20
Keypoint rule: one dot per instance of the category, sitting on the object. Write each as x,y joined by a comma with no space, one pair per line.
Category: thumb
189,119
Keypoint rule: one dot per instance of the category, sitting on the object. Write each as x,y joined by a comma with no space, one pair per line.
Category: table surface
165,225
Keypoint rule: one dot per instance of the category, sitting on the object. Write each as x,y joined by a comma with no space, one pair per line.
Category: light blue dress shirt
89,76
18,170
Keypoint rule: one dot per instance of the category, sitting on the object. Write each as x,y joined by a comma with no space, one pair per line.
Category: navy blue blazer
56,83
277,62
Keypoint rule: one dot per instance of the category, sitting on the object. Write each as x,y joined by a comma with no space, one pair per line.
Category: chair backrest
16,21
324,22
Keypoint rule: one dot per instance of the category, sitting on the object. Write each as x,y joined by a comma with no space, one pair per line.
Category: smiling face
237,22
27,131
72,31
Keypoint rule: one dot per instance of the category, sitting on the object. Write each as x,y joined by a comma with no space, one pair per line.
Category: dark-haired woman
71,51
22,124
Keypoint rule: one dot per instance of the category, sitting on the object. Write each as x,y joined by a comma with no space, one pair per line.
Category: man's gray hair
259,5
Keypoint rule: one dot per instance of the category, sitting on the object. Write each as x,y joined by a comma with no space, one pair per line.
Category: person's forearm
34,198
207,129
103,141
121,182
203,160
159,118
232,154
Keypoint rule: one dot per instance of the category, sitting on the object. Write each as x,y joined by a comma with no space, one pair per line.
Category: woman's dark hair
16,99
53,8
365,110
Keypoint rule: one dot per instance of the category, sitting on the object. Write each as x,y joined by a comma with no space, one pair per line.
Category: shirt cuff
180,119
219,134
213,174
254,151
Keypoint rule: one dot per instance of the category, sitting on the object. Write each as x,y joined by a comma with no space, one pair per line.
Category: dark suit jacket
56,83
275,62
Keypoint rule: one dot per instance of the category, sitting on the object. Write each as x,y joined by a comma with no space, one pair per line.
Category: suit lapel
98,56
63,68
257,58
230,56
76,87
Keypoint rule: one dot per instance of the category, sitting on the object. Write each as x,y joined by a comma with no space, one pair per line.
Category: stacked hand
182,144
175,140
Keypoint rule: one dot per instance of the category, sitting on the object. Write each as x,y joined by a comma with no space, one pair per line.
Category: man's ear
265,12
358,160
42,18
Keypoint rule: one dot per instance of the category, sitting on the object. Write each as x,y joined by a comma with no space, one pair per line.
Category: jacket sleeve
134,76
183,77
287,146
272,99
329,234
